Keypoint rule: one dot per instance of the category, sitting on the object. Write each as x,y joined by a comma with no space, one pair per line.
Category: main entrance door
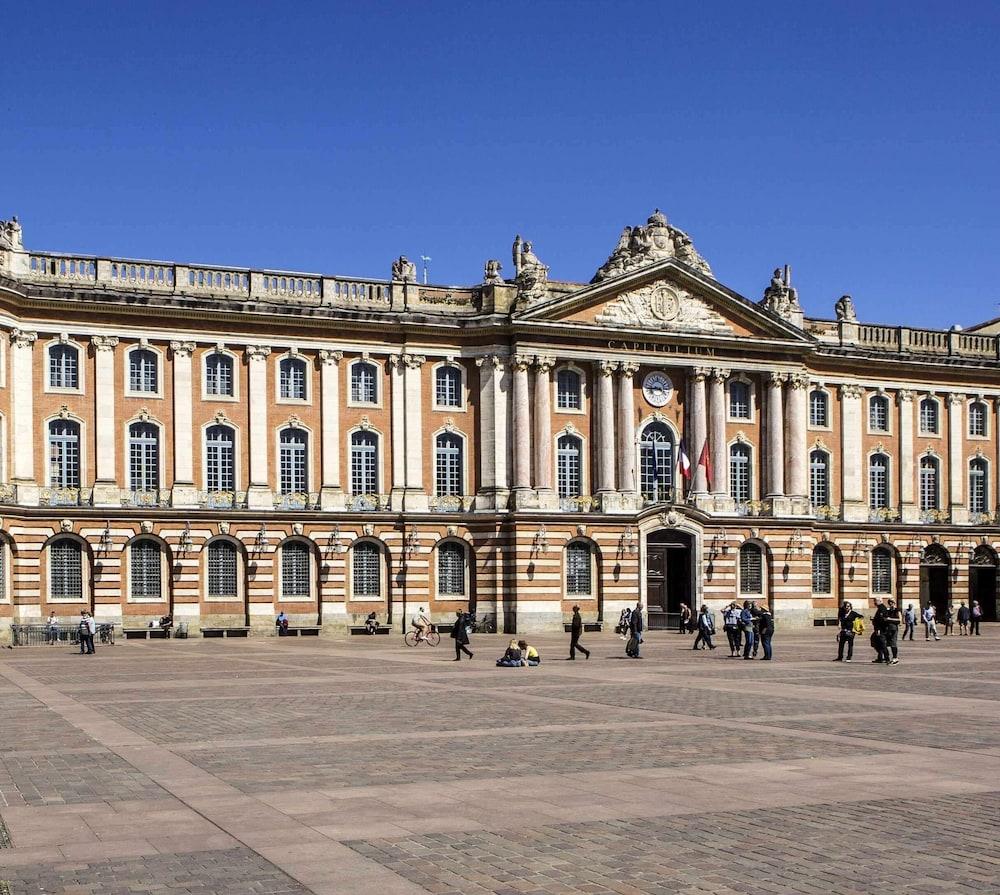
668,576
935,578
983,582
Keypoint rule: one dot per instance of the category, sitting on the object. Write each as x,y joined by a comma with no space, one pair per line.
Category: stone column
626,432
494,433
717,414
184,492
259,493
957,471
106,493
852,463
796,451
522,424
907,473
23,440
543,428
697,425
397,379
416,496
775,437
331,490
605,428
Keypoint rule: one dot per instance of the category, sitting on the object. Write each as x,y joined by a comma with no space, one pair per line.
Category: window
451,569
64,454
578,583
366,562
65,570
878,482
819,478
144,456
364,383
448,464
928,417
822,571
656,463
293,470
144,562
878,413
819,409
364,463
219,375
977,419
220,459
739,400
929,493
448,387
881,571
292,378
751,570
64,367
568,390
978,486
142,371
222,566
295,570
568,471
739,473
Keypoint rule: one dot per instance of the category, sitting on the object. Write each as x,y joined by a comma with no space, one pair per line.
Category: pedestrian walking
851,624
964,616
706,628
977,615
930,622
575,630
684,626
746,627
731,625
891,631
878,634
88,628
949,619
460,634
636,627
910,620
765,628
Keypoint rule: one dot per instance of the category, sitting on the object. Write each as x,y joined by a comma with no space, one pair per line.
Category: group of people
968,620
630,628
519,653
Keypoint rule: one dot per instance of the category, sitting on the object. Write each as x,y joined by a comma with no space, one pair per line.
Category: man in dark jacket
575,630
636,628
460,634
846,617
765,630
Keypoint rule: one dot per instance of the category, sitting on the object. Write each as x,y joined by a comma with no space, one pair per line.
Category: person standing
910,619
575,630
878,634
52,630
460,634
977,615
746,627
685,619
930,622
706,628
731,625
765,627
847,618
949,619
88,628
891,631
964,615
636,627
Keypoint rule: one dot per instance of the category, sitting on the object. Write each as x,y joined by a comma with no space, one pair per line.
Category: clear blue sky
857,142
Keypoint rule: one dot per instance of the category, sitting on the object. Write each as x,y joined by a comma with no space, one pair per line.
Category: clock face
657,388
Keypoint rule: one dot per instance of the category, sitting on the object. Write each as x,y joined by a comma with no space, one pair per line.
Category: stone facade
516,446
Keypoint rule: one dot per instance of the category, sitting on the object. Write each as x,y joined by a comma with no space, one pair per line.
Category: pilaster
627,485
851,459
605,428
184,493
697,425
106,491
543,430
717,415
523,493
23,440
494,444
796,451
331,490
259,496
415,497
908,508
957,467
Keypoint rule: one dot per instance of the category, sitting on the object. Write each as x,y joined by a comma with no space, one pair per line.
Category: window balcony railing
451,503
296,500
222,500
145,498
65,497
660,496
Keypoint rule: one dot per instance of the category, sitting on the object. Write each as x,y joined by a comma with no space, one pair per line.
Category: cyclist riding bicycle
421,623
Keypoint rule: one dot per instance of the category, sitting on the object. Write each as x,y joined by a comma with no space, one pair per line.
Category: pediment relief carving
663,306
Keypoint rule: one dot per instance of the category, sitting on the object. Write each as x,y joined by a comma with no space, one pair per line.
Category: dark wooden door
656,579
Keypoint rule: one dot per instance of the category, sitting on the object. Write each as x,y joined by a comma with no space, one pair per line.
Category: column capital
776,378
628,369
522,362
22,338
178,349
700,374
798,380
720,374
411,361
257,352
326,356
544,364
851,390
904,396
607,367
103,343
497,361
956,398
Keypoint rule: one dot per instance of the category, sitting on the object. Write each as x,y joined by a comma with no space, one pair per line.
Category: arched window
64,366
219,375
929,487
295,570
366,562
881,570
878,413
292,378
64,454
819,408
928,416
656,463
569,479
740,478
739,399
448,464
143,373
878,481
979,487
293,467
977,419
223,566
822,571
65,570
569,393
364,383
144,457
448,386
145,578
578,569
220,459
364,463
819,478
751,570
451,569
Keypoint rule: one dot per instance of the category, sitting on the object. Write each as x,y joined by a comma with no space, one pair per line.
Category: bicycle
484,625
412,638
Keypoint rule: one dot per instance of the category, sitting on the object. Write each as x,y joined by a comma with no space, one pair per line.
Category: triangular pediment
665,298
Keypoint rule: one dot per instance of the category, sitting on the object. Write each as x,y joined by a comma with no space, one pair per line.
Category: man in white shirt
930,616
421,623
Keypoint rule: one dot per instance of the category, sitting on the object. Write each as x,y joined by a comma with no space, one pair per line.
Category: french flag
683,460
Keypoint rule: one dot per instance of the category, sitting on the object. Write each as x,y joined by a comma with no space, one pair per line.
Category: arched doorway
935,578
669,576
983,581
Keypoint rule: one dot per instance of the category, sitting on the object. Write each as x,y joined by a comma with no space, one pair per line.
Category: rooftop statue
844,309
781,299
532,276
491,272
642,245
10,235
404,270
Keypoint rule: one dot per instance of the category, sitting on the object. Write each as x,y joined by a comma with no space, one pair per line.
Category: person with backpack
851,624
910,622
977,615
930,623
964,615
765,630
636,627
747,628
706,628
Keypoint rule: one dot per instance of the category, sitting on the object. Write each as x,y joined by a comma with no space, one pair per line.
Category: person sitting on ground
529,655
512,657
421,623
371,623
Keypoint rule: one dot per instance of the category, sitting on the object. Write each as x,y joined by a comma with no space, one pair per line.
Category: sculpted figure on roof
642,245
10,235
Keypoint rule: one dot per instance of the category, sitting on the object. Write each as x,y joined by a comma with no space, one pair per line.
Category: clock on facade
657,388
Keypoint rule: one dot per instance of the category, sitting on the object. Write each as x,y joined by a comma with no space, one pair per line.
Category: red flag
706,461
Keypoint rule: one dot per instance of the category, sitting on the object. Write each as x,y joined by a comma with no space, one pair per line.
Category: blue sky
857,142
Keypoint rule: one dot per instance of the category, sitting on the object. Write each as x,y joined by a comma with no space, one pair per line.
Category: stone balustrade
905,340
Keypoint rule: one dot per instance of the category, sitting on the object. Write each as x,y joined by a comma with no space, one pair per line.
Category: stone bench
236,631
825,622
146,633
592,627
299,631
361,629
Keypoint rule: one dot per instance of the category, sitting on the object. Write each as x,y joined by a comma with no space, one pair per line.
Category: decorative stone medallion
657,388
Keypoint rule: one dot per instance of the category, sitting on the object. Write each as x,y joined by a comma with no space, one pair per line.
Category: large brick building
226,443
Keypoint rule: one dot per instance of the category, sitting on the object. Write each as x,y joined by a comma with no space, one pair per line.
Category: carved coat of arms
663,306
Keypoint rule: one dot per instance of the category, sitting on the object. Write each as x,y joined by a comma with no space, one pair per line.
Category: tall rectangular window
751,570
219,375
220,471
928,417
578,583
977,419
295,570
568,471
64,454
222,566
881,572
451,569
878,482
819,410
142,371
821,571
929,492
144,457
364,384
292,378
365,562
739,473
978,487
448,465
146,579
819,479
364,463
293,475
64,367
739,400
878,413
65,570
568,390
448,387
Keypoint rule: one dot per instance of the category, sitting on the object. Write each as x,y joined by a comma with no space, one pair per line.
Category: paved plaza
361,766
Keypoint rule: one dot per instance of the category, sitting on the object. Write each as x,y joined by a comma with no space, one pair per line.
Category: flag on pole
683,460
706,461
